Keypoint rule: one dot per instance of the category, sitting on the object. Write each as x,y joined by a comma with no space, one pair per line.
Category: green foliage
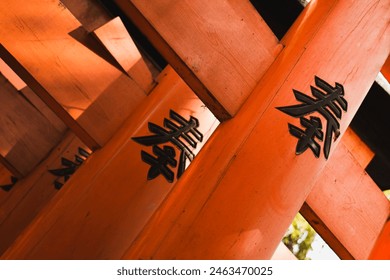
299,237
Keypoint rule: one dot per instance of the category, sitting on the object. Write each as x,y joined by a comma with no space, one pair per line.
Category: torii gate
243,188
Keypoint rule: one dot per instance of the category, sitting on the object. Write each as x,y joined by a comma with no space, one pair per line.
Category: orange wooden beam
252,181
109,199
5,163
340,206
355,145
30,195
221,49
26,136
381,250
115,38
50,101
242,191
91,14
66,69
386,69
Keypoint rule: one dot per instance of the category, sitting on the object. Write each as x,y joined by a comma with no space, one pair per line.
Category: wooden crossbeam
26,136
48,98
115,38
43,109
90,95
255,183
111,195
241,192
381,250
14,171
341,208
30,195
90,13
386,69
355,145
221,49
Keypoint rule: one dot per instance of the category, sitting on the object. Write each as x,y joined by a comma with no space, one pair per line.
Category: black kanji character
307,137
70,167
159,164
326,103
176,133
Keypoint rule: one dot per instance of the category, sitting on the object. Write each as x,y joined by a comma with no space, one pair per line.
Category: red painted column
244,188
381,250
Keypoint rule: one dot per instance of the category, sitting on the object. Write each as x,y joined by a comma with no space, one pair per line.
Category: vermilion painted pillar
101,209
220,48
244,188
55,60
241,192
381,250
341,208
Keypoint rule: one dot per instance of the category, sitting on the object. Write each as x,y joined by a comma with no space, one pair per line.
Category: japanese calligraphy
159,165
178,131
69,168
329,102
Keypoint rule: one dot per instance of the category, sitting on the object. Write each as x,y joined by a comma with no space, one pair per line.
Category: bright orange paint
381,250
106,203
252,182
241,192
342,200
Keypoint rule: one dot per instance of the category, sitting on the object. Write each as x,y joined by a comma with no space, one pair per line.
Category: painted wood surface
220,48
386,69
241,192
45,96
86,86
381,250
90,13
5,179
11,76
252,181
346,207
29,196
109,199
115,38
26,136
355,145
43,109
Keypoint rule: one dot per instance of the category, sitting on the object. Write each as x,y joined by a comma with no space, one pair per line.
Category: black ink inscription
329,102
181,133
69,168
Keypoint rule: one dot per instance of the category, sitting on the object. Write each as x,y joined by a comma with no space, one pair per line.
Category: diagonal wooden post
204,42
253,185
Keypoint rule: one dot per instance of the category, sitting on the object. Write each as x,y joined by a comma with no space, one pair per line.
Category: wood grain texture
11,76
220,48
381,249
361,152
26,136
115,38
252,182
31,194
90,13
343,200
93,92
109,199
43,109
